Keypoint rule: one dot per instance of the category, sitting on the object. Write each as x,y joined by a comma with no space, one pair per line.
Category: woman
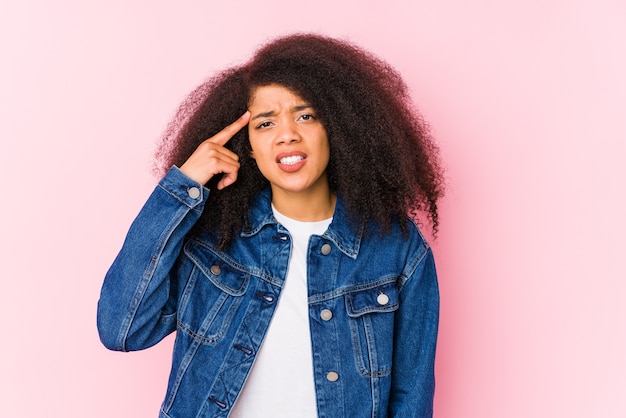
281,253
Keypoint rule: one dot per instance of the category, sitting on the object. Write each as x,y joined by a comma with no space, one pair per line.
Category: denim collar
344,234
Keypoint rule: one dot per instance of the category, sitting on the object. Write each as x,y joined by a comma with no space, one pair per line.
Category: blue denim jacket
373,306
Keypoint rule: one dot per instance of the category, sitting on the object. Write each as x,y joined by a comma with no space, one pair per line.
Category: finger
227,154
213,150
201,166
227,179
225,166
223,136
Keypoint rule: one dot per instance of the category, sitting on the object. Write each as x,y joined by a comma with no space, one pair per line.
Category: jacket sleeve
137,306
415,338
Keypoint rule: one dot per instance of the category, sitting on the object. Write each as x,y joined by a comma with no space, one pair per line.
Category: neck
310,206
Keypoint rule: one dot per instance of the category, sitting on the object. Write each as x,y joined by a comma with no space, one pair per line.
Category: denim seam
374,370
188,290
212,339
356,345
216,280
147,277
375,392
413,265
238,266
180,372
350,289
355,325
193,207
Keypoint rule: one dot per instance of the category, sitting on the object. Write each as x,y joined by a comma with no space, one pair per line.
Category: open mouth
291,159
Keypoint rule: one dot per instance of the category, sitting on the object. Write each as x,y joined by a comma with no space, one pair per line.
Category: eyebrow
272,113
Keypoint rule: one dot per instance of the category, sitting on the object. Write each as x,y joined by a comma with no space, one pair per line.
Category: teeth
291,160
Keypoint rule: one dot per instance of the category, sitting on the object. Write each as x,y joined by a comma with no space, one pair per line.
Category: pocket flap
383,298
219,272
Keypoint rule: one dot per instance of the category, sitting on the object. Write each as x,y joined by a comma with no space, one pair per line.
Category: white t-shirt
281,381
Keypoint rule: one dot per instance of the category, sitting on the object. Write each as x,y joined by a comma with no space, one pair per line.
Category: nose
288,133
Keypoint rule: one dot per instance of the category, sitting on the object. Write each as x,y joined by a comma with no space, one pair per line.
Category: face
288,141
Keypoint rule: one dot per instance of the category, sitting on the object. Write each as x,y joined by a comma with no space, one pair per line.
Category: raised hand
211,157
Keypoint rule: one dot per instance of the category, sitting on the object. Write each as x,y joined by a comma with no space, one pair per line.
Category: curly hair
383,163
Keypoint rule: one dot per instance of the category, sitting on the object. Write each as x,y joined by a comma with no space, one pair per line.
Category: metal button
194,192
326,314
382,299
332,376
216,270
326,249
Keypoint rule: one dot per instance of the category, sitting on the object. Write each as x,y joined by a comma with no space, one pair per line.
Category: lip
291,168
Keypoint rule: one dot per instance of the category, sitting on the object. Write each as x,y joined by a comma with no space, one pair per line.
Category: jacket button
382,299
332,376
326,249
326,314
193,192
216,270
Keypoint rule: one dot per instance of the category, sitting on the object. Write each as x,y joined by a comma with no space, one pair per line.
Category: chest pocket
212,295
371,327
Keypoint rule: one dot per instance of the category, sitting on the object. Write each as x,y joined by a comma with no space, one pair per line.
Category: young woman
282,248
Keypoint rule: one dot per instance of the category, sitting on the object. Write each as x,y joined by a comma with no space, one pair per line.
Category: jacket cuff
183,188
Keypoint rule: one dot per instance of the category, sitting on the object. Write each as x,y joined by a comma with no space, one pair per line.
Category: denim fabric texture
373,307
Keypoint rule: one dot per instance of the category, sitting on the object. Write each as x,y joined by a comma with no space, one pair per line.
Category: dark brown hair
383,162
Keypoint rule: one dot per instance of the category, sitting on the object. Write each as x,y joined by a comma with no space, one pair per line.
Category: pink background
526,98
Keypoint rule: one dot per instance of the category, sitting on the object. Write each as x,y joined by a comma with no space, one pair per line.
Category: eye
307,116
265,124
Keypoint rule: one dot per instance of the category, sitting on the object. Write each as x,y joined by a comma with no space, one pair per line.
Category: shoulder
405,236
402,245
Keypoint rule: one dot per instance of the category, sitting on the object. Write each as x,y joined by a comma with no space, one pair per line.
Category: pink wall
526,99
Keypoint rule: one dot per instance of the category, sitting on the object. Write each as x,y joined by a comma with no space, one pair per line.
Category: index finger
223,136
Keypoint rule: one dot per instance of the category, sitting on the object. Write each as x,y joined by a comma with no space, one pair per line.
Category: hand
211,157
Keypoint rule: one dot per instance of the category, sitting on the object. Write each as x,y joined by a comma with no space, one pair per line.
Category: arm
137,306
138,301
415,338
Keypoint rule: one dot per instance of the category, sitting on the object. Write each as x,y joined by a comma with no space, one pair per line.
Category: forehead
274,95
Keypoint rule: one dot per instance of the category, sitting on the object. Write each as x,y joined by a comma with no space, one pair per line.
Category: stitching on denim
147,277
356,346
196,202
180,372
224,326
374,307
414,263
216,280
235,264
355,288
356,325
188,290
